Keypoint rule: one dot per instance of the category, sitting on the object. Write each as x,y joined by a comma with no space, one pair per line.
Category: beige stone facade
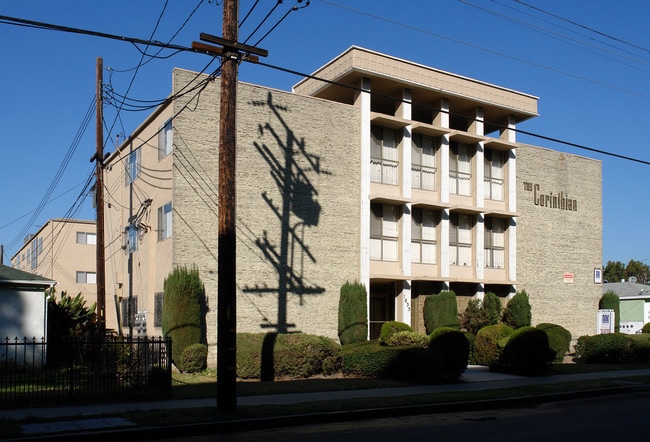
405,178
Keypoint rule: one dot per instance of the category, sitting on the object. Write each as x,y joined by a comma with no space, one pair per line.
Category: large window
494,242
423,162
460,239
165,140
134,166
86,238
86,277
423,235
383,231
36,249
384,160
494,161
165,221
460,169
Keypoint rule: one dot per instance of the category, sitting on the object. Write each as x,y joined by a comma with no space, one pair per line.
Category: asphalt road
609,418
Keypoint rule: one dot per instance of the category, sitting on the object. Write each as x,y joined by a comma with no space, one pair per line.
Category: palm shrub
441,310
389,328
517,312
183,317
559,339
489,342
526,352
453,347
353,313
610,300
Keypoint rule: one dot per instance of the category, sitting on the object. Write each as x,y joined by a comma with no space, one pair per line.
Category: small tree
610,300
517,313
441,310
353,313
183,317
479,314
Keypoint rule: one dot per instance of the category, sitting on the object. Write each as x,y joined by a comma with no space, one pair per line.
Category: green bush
517,312
183,310
194,358
610,300
408,339
527,352
441,310
605,348
249,355
479,314
353,313
453,347
489,342
559,339
646,328
389,328
471,338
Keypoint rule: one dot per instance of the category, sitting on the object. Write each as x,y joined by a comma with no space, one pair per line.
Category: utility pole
99,195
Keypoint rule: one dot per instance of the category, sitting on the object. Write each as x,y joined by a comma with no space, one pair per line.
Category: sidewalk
476,378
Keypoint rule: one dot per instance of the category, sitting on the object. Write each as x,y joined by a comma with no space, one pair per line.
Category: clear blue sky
588,62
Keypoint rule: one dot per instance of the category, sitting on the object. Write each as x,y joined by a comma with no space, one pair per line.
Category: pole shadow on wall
298,210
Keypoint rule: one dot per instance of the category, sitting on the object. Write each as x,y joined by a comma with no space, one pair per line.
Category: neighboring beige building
63,250
405,178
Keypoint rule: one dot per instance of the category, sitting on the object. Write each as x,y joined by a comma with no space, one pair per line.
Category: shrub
194,358
389,328
610,300
183,309
453,347
517,312
641,346
489,341
471,338
527,352
353,314
559,339
609,347
441,310
479,314
408,339
646,328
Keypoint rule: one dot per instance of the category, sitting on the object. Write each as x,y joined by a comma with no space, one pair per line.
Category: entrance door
382,306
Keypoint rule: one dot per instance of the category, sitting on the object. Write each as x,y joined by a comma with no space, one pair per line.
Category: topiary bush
194,358
610,300
453,347
517,313
389,328
408,339
441,310
353,313
604,348
646,328
526,352
183,310
559,339
249,355
641,346
489,342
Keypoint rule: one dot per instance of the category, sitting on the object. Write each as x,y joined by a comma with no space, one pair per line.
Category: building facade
405,178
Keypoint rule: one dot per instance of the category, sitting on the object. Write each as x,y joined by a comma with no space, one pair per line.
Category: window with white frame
86,277
165,221
86,238
494,242
460,169
423,235
384,220
494,161
460,239
134,166
165,140
384,159
423,162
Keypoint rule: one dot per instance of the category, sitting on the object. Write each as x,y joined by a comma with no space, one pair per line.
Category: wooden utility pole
99,200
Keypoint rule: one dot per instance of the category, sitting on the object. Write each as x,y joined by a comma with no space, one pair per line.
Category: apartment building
63,250
403,177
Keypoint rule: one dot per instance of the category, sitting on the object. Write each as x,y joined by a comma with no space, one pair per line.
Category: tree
353,313
614,271
517,313
637,269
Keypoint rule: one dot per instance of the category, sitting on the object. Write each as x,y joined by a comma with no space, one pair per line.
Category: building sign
568,278
559,200
606,319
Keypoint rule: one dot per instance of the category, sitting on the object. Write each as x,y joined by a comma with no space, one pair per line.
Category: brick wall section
298,198
551,241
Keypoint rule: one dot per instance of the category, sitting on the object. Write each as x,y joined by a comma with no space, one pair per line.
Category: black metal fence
72,371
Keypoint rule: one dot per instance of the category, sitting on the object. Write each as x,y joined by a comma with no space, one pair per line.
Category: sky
587,61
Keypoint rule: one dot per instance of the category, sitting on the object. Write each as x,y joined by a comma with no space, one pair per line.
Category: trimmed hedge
646,328
388,329
441,310
527,353
489,342
408,339
559,339
517,313
604,348
194,358
353,313
453,347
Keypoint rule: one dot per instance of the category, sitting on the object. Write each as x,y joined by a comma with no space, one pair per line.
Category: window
460,239
383,231
134,166
165,221
128,311
423,236
131,239
35,249
460,169
157,309
423,162
86,278
165,140
494,242
383,155
493,165
86,238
